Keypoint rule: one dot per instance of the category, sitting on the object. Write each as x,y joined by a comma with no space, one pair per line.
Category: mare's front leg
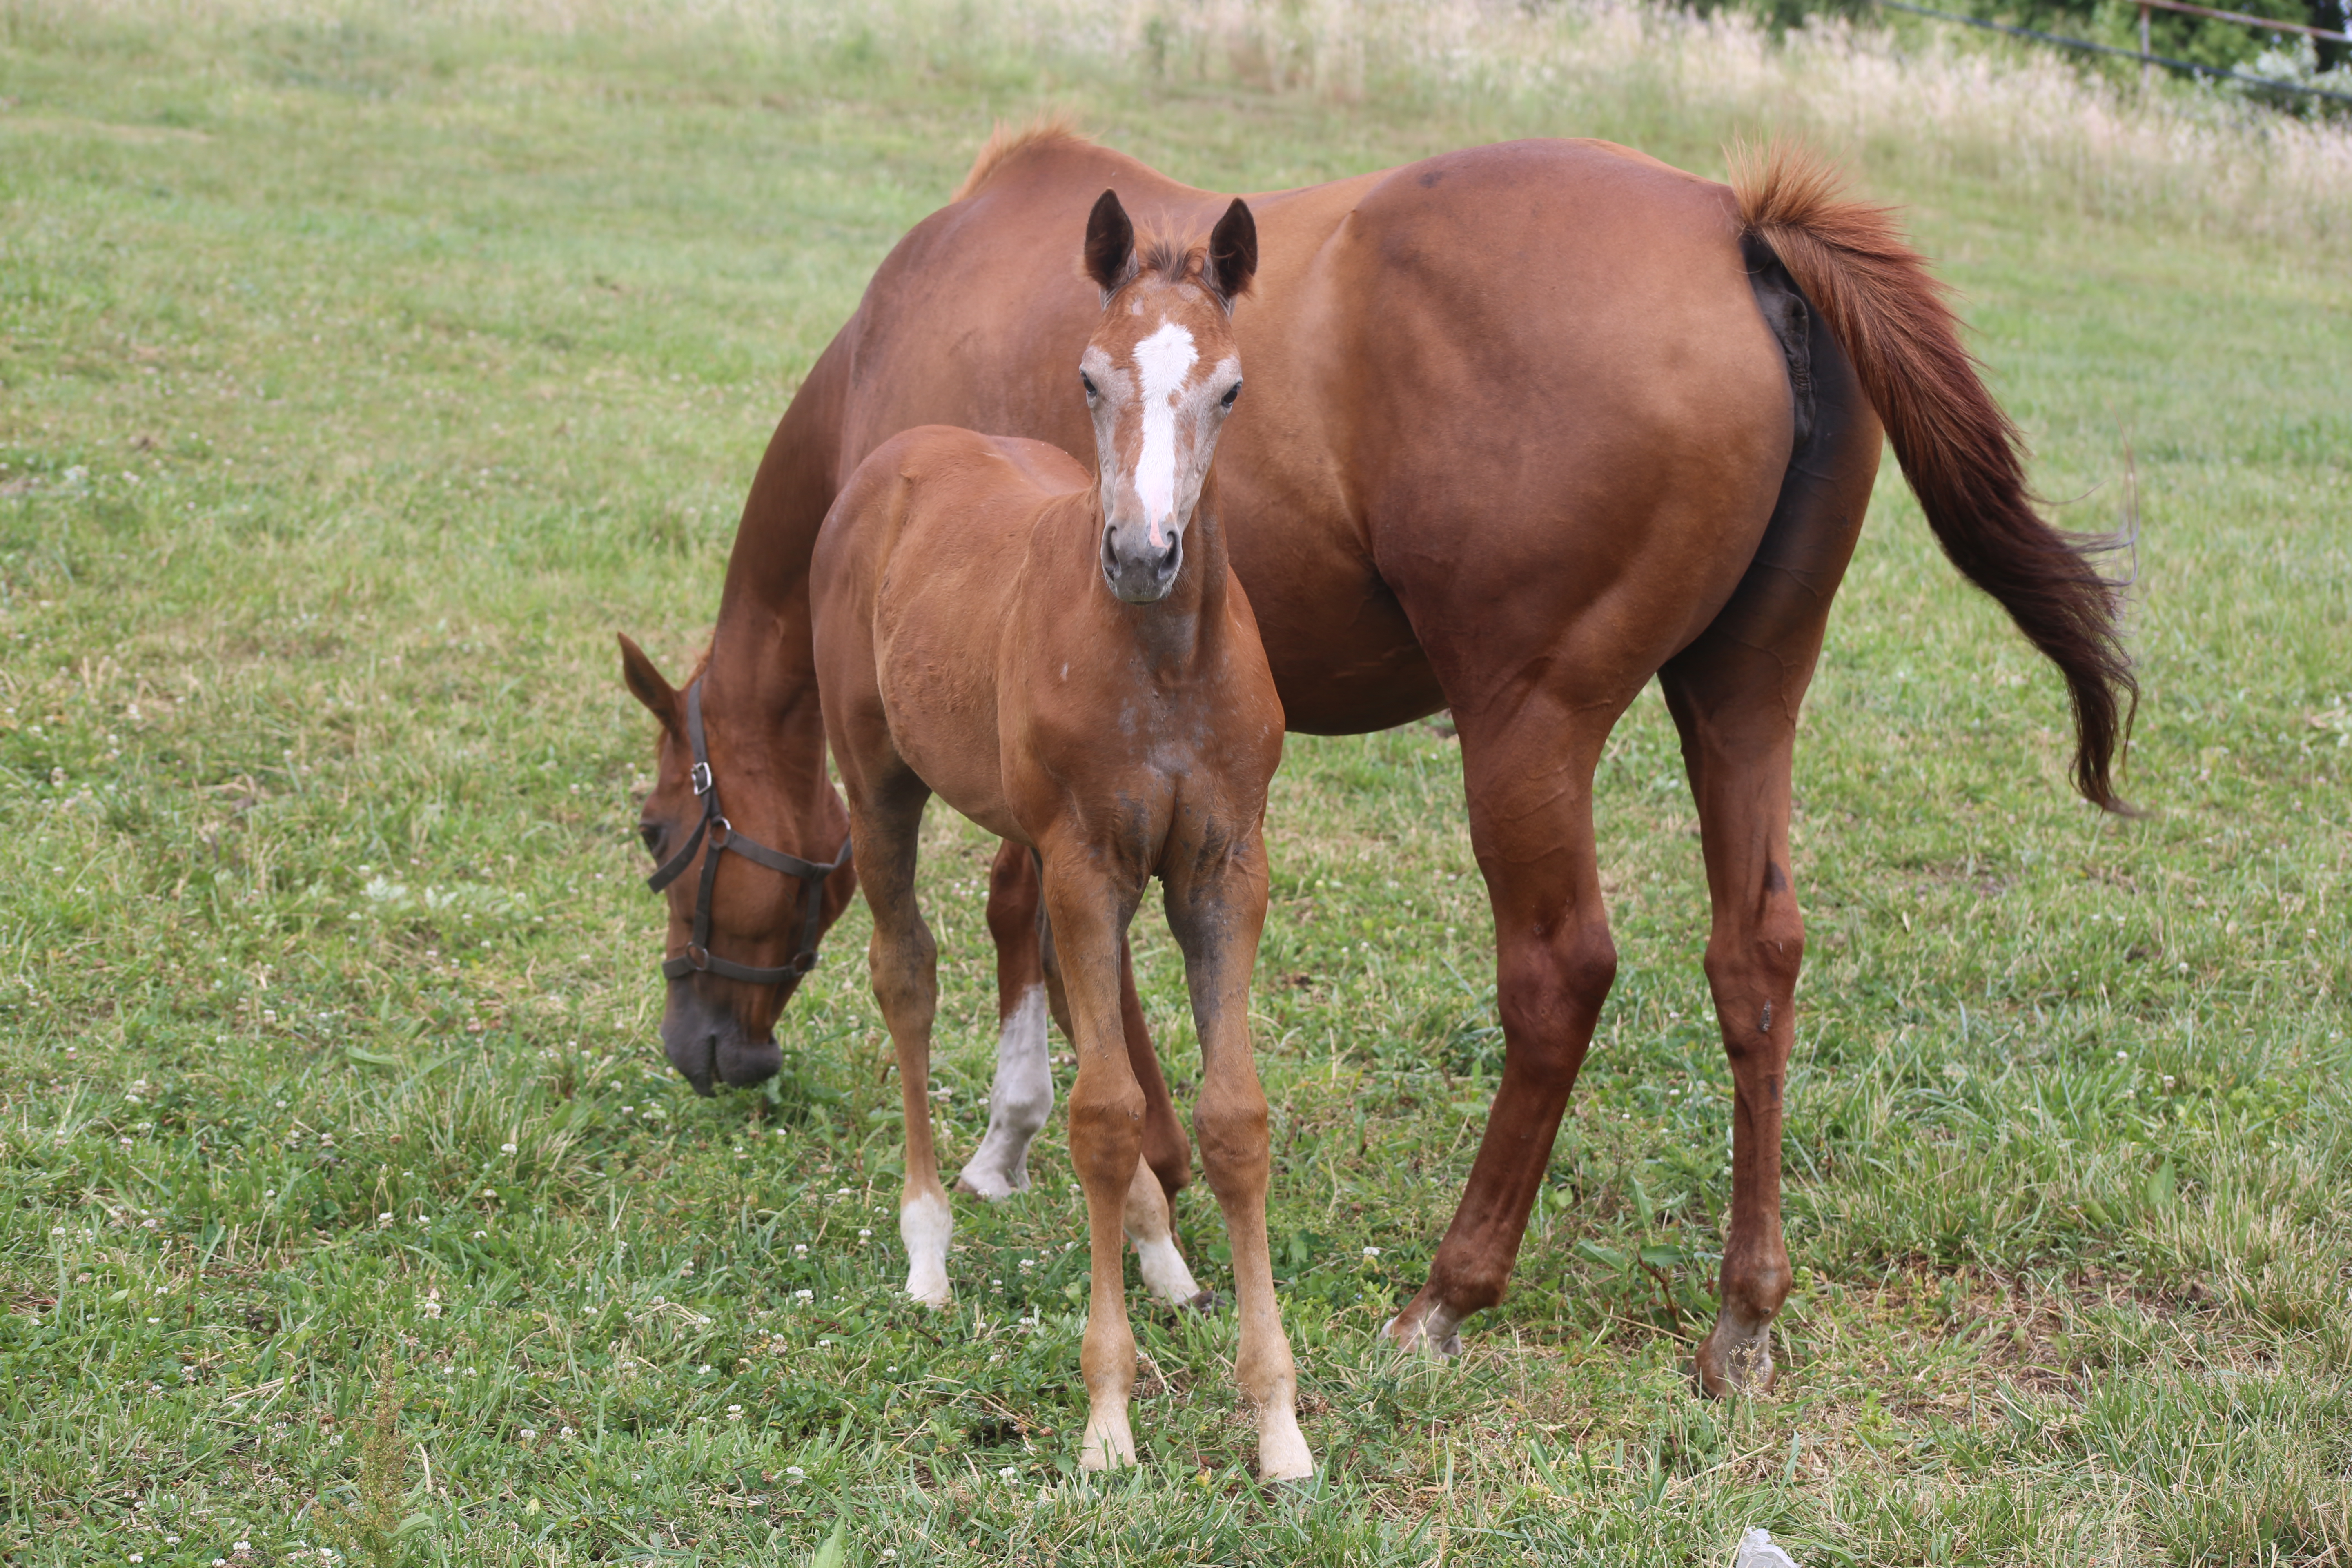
1028,987
885,819
1218,913
1528,756
1089,917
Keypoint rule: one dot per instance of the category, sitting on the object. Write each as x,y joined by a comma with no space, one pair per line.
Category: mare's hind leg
1528,758
1733,694
885,818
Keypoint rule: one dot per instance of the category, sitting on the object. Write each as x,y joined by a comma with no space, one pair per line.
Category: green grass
359,378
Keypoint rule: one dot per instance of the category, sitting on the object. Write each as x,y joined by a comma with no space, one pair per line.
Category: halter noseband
722,835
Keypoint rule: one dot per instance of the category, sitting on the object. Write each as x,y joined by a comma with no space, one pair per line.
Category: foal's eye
651,833
1230,392
1089,383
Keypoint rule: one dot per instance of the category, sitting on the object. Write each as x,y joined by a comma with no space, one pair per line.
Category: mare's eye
1089,383
652,834
1230,392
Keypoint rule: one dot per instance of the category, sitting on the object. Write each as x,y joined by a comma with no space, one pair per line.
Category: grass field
361,373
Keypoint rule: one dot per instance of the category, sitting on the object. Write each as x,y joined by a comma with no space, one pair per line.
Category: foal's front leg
1105,1139
1217,916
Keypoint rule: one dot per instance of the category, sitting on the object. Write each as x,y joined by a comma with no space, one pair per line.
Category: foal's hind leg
884,821
1028,988
1022,1098
1735,694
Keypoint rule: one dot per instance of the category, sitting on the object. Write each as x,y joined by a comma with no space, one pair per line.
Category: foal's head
1160,373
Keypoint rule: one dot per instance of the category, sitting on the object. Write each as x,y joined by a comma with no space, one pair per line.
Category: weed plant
362,371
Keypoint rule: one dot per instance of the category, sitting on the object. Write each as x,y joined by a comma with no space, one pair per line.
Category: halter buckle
700,777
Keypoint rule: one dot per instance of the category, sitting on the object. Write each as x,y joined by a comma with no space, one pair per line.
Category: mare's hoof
1203,1302
1427,1330
1732,1364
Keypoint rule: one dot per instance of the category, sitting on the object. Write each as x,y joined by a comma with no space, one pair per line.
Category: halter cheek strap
720,835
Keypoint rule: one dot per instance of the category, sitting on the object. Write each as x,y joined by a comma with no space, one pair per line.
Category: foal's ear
1111,244
645,683
1232,253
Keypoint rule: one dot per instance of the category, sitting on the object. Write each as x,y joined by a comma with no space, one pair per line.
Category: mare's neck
759,686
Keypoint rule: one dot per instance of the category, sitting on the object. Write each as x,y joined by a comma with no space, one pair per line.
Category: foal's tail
1957,448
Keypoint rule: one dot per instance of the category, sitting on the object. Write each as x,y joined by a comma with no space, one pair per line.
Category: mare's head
1160,373
744,850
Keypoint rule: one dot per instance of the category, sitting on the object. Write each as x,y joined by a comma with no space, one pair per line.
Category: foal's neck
1190,620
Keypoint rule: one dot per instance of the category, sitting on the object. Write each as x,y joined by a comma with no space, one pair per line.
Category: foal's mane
1005,142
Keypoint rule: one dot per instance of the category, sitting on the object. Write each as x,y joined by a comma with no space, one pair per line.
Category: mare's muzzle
709,1046
1139,572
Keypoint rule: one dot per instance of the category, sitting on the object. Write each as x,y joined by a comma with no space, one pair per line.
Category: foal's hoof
1427,1328
991,1185
1736,1362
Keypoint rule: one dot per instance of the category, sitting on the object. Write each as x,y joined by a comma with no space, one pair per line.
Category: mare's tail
1957,448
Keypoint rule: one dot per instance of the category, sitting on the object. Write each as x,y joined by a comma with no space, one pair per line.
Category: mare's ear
1111,244
645,683
1232,253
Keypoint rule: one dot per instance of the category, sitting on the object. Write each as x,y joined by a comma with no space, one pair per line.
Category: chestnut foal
1073,665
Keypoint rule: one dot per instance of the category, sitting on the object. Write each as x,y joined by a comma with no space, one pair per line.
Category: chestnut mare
1073,665
1531,424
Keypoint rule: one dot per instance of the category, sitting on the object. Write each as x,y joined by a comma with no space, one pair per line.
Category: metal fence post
2146,69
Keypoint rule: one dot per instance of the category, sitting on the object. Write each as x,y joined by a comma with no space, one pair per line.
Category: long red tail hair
1961,453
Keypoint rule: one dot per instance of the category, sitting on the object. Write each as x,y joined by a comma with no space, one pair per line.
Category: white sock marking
1018,1105
925,1223
1164,1269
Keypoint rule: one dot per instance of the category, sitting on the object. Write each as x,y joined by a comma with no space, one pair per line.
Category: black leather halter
722,836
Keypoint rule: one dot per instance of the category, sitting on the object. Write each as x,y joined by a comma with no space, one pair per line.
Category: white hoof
1108,1445
992,1181
925,1223
1282,1451
1165,1272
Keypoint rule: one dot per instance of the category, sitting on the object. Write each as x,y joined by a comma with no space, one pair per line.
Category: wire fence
2146,57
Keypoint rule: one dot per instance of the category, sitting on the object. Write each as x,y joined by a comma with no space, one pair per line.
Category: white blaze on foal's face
1158,400
1163,362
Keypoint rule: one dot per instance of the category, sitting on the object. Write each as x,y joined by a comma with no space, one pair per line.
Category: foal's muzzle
1137,571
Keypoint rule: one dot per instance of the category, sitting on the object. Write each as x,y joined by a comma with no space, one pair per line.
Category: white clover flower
527,1434
506,1148
1371,1252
